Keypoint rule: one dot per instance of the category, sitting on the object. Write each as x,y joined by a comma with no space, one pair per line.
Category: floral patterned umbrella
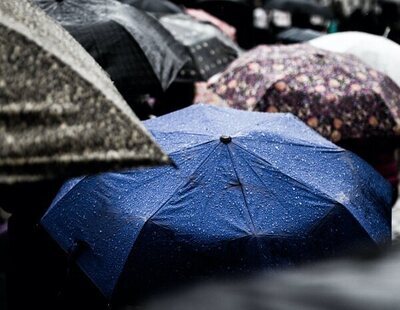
336,94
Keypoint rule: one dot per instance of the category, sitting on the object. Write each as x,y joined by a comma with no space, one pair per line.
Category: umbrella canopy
152,59
251,190
336,94
376,51
210,50
60,113
297,35
310,7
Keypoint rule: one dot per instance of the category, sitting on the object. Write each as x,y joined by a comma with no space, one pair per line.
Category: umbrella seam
181,184
272,192
241,188
326,196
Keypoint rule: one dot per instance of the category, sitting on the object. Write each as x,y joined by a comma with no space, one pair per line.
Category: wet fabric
297,35
163,55
336,94
60,114
121,57
210,50
249,191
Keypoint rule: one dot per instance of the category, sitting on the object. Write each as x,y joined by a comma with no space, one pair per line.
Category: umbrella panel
211,51
279,185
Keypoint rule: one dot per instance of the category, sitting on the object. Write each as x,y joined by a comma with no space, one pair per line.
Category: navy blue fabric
276,195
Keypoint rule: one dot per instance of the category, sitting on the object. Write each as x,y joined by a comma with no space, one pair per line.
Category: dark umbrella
310,7
152,58
210,50
297,35
252,191
336,94
60,114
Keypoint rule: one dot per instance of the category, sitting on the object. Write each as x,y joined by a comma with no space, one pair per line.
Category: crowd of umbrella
217,190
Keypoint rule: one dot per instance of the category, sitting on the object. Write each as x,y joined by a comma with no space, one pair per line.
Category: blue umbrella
249,190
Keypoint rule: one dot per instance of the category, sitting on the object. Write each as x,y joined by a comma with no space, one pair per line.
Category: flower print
232,84
313,122
373,121
361,76
250,102
355,87
331,97
320,88
337,123
272,109
280,86
334,83
336,136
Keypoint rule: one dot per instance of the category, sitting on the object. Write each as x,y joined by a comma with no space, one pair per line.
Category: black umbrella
152,58
60,115
310,7
211,50
297,35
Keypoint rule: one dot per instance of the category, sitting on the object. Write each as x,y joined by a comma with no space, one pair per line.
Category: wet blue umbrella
249,190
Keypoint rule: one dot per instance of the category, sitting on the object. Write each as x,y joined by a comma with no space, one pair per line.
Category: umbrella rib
179,132
242,190
183,183
263,181
328,212
326,196
190,148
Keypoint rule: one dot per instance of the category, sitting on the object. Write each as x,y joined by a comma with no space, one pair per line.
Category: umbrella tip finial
225,139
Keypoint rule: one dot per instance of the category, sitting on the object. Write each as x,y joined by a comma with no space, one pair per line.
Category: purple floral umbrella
336,94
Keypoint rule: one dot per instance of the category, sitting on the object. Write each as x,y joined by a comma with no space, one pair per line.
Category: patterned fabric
336,94
60,114
205,95
117,53
165,56
210,50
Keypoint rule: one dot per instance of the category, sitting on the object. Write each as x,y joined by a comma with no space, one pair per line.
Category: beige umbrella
60,114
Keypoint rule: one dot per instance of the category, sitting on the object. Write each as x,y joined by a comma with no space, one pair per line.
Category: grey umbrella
60,115
210,50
